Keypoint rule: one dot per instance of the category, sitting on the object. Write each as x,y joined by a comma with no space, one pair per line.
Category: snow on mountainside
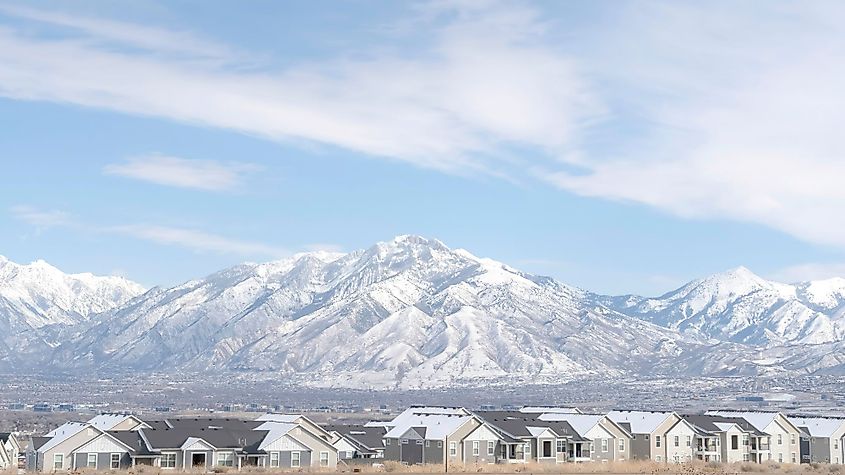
37,299
741,307
410,312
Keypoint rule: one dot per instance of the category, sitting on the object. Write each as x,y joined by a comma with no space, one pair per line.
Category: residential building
357,441
650,438
525,438
429,435
783,444
727,439
608,440
824,438
10,449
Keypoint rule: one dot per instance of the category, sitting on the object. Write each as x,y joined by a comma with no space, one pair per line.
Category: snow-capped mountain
741,307
410,311
37,301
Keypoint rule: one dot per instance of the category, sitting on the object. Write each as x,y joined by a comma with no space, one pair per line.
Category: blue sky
620,147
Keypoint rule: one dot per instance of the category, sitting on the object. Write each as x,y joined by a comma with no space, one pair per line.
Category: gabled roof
4,436
760,420
641,422
107,422
581,423
38,442
545,409
513,426
160,439
133,439
275,431
437,426
818,426
63,433
227,423
713,423
367,437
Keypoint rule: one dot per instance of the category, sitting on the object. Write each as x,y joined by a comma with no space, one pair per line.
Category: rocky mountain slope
412,312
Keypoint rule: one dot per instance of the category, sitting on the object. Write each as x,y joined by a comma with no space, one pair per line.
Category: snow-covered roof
63,433
550,409
108,421
760,420
437,426
642,422
289,418
276,431
582,423
819,426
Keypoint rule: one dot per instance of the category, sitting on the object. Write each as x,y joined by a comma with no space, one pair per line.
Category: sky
622,147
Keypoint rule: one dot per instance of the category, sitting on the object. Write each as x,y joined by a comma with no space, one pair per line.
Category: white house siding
685,438
317,444
785,441
66,449
729,454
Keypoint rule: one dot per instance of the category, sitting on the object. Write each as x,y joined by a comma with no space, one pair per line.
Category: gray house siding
599,455
285,459
433,453
103,460
482,452
391,450
640,447
820,449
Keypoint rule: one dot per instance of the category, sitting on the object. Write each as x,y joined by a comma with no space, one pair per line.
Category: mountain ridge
411,312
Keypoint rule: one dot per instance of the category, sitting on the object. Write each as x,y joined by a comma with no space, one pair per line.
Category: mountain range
411,312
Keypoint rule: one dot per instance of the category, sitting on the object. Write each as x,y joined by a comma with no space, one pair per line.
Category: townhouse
525,438
782,441
650,437
118,441
9,450
357,441
608,441
429,435
822,439
727,439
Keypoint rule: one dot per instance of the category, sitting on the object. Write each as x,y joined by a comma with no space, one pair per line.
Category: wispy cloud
41,219
192,239
180,172
742,107
197,240
809,271
445,106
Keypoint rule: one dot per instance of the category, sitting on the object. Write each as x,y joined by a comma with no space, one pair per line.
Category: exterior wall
660,434
391,449
66,448
820,449
316,444
836,450
128,424
684,450
285,458
458,436
103,460
600,436
641,447
484,437
433,451
729,454
784,441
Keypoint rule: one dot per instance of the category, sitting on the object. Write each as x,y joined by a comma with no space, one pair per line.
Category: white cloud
745,107
809,271
41,219
196,240
174,171
193,239
486,80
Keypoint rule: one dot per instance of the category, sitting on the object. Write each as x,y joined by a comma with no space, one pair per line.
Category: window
561,446
491,448
404,441
657,441
780,457
58,461
646,437
168,460
658,458
689,441
744,440
453,448
475,448
745,458
427,443
792,439
386,441
604,445
324,459
439,444
734,442
294,459
419,441
794,458
836,443
780,439
526,451
677,441
92,461
226,459
274,459
115,461
621,445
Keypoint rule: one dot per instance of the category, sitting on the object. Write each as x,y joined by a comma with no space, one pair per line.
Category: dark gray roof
37,442
368,438
4,436
206,422
708,423
246,440
513,425
131,439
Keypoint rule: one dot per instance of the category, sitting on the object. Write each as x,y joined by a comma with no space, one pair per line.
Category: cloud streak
166,170
192,239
